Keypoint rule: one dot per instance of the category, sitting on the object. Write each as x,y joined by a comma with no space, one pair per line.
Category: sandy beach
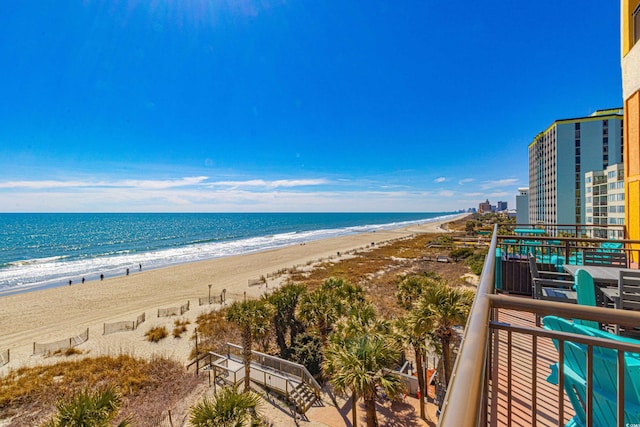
50,315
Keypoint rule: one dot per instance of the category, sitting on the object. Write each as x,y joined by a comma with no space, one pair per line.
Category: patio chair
629,289
552,286
586,292
605,258
604,376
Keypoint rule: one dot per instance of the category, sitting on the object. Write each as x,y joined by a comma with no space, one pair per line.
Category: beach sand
50,315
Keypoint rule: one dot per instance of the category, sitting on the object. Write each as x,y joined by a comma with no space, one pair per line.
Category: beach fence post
209,293
197,355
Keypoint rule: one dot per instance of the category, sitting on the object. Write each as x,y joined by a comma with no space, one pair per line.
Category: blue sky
272,105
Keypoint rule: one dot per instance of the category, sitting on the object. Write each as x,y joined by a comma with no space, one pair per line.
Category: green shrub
462,253
475,263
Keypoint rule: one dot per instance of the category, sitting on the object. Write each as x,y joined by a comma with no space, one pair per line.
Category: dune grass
156,334
148,387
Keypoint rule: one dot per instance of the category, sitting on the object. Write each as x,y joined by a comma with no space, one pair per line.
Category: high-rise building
604,201
630,43
522,206
484,207
501,206
559,157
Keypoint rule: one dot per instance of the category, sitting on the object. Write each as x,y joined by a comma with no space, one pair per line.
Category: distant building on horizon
560,155
484,207
604,201
501,206
522,206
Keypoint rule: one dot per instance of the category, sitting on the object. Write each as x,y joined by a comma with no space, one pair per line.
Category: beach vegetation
88,409
214,332
320,309
359,359
69,351
253,319
411,287
156,334
306,350
146,387
412,332
179,327
438,311
227,408
286,326
476,261
461,253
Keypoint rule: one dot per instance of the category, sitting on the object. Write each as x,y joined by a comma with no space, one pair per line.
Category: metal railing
473,392
571,230
291,368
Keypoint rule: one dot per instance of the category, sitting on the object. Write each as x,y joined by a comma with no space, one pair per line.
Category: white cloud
440,179
285,183
465,181
446,193
498,183
149,184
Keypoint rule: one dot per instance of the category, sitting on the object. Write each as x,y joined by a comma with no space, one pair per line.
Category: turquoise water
39,250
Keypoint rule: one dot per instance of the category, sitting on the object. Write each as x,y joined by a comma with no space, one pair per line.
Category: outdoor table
603,276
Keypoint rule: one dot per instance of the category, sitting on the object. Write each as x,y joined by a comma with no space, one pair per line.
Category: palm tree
346,293
323,307
285,301
411,287
362,365
228,408
442,307
320,310
253,317
87,409
360,320
413,331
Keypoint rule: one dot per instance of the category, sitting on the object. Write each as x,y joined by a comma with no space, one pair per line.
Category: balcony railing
499,375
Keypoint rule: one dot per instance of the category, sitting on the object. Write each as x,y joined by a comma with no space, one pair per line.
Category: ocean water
43,250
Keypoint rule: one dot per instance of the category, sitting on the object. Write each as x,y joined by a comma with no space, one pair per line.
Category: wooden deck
533,400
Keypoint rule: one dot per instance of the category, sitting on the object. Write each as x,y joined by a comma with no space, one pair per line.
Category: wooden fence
53,347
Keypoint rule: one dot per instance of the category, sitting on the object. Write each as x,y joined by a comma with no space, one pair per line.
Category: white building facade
604,201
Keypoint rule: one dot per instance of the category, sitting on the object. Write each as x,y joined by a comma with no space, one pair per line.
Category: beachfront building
560,155
484,207
630,43
522,206
604,201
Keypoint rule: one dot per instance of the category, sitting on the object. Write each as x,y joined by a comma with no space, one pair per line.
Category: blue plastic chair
604,378
586,291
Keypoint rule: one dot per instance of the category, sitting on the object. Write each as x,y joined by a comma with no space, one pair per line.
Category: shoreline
52,314
143,262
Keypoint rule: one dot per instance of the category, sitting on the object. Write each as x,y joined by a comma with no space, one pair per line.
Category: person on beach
127,271
140,265
70,282
83,280
102,277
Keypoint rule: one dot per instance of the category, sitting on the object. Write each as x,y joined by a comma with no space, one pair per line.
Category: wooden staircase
303,397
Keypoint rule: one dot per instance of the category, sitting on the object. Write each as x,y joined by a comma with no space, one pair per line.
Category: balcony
500,375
